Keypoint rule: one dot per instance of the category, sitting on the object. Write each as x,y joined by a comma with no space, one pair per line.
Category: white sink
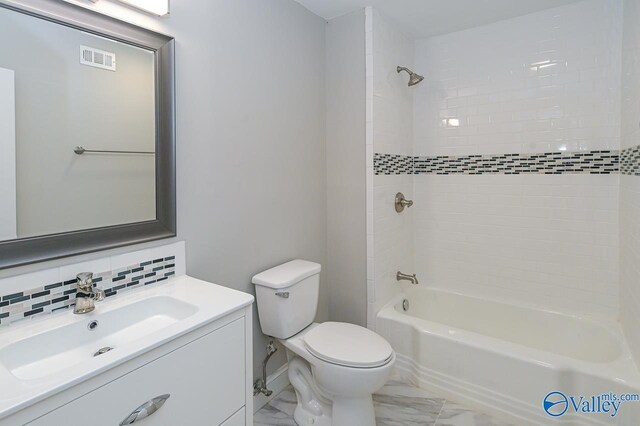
43,356
65,347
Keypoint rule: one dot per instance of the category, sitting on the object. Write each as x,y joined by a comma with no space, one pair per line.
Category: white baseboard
276,382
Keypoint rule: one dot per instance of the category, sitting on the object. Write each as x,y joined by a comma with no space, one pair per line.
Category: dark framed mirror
87,132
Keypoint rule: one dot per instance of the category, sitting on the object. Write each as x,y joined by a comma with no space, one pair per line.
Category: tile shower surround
583,162
52,297
540,83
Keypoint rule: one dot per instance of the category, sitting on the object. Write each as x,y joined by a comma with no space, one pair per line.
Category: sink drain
102,351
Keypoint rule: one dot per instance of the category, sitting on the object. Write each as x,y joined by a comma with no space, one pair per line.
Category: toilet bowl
334,367
337,389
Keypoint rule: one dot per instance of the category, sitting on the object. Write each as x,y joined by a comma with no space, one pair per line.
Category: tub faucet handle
401,202
406,277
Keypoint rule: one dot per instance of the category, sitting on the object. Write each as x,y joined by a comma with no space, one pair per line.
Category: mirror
86,133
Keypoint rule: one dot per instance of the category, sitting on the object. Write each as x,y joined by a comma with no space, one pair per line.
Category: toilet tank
287,297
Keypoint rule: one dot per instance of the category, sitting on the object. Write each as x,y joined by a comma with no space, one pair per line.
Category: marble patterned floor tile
397,388
396,404
406,410
286,401
453,414
270,416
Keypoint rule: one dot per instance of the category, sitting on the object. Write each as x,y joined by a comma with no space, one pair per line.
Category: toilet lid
348,344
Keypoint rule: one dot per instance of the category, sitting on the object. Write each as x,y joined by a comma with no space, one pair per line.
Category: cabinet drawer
205,380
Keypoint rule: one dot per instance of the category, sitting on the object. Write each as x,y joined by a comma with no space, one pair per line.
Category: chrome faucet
406,277
87,294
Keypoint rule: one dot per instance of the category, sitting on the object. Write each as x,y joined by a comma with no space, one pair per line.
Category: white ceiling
426,18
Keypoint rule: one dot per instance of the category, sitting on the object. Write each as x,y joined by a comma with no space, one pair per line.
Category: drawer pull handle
146,409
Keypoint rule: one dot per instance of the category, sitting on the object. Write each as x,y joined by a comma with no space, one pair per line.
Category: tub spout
406,277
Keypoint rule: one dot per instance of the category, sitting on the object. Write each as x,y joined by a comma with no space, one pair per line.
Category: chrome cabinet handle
283,294
146,409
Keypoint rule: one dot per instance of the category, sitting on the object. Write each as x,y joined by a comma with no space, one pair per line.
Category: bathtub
505,359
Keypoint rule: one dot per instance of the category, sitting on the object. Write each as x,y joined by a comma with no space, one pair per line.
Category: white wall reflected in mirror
73,89
8,226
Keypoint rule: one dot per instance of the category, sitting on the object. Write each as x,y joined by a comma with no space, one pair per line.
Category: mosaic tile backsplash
50,297
630,161
587,162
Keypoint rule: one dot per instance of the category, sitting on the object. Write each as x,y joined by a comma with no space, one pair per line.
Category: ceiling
426,18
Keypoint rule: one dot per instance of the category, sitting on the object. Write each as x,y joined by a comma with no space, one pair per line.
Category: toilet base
304,418
330,394
345,412
313,409
354,411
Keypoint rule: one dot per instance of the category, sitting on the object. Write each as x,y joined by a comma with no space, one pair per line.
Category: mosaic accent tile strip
392,164
630,161
590,162
552,163
53,297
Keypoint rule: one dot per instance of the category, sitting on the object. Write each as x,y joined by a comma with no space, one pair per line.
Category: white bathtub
505,359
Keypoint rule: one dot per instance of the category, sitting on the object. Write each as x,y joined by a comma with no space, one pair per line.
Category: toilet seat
348,345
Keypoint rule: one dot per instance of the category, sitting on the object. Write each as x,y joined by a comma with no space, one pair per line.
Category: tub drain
102,351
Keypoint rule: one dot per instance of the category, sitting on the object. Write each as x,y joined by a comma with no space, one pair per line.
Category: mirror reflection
77,129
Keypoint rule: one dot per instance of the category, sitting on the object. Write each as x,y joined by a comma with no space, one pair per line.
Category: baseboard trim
276,382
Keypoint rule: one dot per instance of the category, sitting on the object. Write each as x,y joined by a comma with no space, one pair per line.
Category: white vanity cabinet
203,372
204,380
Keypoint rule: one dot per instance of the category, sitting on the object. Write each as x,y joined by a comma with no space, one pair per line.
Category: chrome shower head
413,77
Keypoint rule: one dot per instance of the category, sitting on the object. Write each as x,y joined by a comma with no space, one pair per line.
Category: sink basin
46,355
68,346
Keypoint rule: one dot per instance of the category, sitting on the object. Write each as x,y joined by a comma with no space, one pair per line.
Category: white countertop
210,301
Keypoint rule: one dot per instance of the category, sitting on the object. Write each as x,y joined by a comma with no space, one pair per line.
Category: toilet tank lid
287,274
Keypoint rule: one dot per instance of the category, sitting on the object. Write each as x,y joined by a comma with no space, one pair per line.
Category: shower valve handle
401,202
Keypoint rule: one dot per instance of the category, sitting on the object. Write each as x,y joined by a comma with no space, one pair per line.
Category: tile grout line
440,412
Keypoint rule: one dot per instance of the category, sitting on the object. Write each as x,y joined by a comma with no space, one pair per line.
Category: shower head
413,77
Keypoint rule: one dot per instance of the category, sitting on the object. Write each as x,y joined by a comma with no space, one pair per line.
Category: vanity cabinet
203,373
205,381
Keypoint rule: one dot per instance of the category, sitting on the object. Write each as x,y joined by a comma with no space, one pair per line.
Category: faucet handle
99,294
85,279
401,202
84,276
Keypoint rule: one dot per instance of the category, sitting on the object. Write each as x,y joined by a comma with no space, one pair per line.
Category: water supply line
260,385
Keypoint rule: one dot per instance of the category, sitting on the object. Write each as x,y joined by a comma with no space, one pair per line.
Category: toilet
334,367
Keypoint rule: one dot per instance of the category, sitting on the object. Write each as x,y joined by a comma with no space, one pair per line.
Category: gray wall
346,179
251,140
60,104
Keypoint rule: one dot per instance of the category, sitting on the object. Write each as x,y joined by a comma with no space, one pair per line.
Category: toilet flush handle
283,294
